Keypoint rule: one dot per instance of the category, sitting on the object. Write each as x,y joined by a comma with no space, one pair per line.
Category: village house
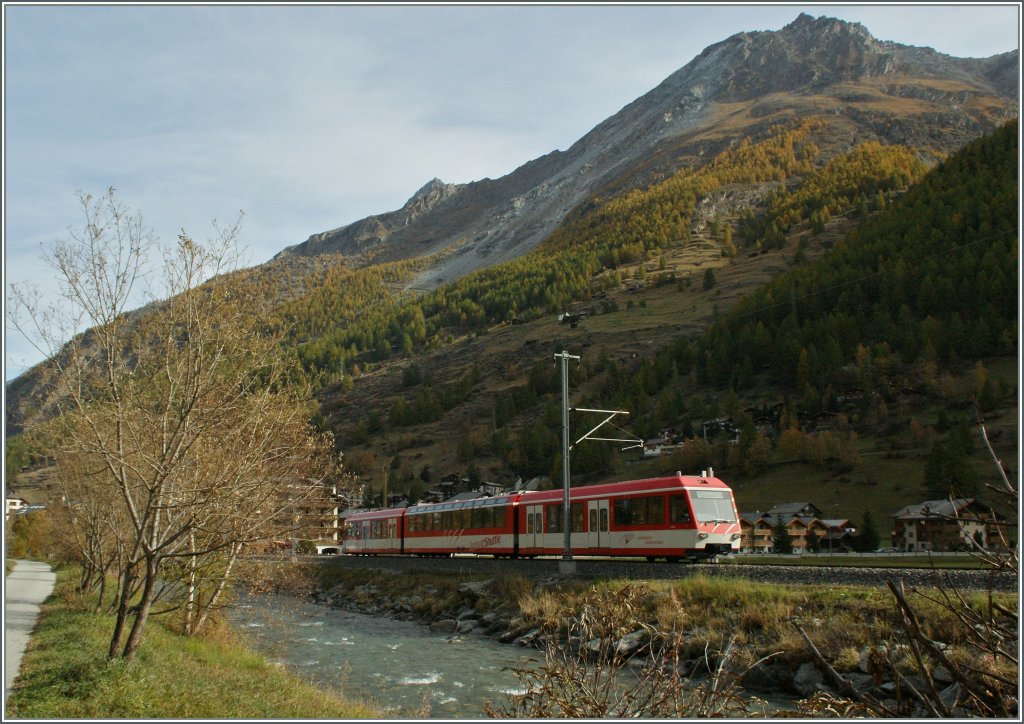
757,530
944,525
755,533
14,504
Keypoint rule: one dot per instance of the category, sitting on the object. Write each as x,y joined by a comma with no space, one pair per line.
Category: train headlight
702,536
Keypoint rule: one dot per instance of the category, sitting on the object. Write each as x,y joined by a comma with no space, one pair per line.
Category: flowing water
401,666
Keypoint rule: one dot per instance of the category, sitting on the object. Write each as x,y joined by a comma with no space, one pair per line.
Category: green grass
66,674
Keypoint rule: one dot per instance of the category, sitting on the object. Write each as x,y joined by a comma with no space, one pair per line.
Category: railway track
543,568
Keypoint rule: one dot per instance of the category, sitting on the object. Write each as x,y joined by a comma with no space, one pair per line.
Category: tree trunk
122,613
142,611
221,585
190,600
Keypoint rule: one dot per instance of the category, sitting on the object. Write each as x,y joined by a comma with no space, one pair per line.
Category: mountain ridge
812,62
681,123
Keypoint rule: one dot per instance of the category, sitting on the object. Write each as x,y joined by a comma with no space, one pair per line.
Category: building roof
935,509
794,510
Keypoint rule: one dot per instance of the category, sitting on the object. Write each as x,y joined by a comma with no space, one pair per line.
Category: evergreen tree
948,471
867,537
15,458
813,541
781,539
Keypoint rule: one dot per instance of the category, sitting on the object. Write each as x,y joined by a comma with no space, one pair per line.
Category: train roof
374,514
481,502
668,483
663,484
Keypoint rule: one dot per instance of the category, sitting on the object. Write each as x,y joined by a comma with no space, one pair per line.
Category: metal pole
566,517
567,565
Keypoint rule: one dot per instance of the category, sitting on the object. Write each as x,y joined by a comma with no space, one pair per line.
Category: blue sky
311,117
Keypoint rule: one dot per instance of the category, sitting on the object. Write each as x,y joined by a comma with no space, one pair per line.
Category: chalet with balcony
802,520
944,525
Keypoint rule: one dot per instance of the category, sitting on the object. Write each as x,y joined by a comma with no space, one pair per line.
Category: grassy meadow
66,675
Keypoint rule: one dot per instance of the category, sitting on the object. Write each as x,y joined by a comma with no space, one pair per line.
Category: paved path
28,585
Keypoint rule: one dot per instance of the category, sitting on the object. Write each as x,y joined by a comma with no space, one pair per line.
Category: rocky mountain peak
431,194
811,32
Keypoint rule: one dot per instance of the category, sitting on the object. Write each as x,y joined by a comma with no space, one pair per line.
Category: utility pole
567,566
386,472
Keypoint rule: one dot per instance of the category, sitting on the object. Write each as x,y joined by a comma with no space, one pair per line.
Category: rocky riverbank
872,662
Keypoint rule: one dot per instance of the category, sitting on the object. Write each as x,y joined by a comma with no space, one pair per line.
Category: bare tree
586,670
187,416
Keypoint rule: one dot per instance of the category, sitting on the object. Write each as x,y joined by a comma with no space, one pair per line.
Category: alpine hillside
806,239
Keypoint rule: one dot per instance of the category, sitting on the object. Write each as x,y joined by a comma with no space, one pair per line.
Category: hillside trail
27,586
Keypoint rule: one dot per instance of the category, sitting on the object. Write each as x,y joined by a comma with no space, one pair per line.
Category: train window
713,505
649,510
538,524
593,520
435,521
624,512
556,515
554,518
678,510
529,523
604,520
576,511
656,510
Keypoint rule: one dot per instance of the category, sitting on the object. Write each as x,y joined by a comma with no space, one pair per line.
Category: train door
597,524
534,535
393,534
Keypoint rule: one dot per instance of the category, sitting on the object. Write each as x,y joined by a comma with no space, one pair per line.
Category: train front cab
718,526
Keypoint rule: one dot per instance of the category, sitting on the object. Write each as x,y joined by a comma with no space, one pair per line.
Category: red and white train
675,518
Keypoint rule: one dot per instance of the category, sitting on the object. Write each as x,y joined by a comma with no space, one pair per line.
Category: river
400,666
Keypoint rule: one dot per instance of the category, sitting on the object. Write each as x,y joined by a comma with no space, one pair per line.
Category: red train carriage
673,517
677,517
372,532
482,525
